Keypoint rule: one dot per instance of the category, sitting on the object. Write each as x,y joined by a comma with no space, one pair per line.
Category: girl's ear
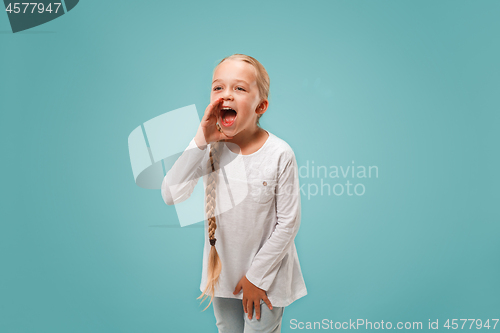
262,107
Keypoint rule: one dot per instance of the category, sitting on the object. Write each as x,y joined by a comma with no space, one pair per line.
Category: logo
154,148
26,15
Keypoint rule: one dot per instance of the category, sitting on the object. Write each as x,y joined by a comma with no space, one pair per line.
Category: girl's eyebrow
234,81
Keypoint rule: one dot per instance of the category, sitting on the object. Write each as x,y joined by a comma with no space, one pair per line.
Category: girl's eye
216,88
241,88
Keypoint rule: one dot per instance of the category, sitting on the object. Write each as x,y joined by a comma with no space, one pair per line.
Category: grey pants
231,318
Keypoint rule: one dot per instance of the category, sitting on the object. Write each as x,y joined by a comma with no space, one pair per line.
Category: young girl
252,202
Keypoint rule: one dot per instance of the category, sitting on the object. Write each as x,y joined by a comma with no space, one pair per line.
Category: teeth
225,109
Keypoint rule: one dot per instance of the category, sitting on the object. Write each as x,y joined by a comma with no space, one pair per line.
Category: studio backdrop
392,111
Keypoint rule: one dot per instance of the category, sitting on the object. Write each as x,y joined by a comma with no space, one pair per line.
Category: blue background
408,86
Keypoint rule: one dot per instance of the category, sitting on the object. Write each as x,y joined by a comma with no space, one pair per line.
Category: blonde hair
214,267
214,264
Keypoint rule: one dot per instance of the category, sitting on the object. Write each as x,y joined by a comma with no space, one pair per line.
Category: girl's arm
267,261
182,178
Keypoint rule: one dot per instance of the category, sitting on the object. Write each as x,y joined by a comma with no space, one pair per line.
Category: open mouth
228,116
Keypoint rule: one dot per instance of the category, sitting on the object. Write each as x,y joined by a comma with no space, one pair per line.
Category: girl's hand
251,297
208,132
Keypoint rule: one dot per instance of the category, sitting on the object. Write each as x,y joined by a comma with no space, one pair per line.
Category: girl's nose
227,95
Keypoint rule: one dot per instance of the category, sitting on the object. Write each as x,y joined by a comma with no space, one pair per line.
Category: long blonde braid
214,264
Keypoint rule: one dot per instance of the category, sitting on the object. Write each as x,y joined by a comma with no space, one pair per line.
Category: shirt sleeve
181,179
267,261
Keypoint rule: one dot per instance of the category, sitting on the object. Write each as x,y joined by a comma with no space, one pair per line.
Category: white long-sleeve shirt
257,213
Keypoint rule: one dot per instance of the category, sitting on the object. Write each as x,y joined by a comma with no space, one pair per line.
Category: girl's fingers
209,111
218,109
257,309
215,103
250,310
268,302
215,106
210,120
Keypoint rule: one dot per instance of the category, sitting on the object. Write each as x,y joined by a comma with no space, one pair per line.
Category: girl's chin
229,131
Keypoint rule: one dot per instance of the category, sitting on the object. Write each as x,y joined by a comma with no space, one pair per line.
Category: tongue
229,116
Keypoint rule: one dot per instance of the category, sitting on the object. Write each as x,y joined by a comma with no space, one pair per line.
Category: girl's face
235,82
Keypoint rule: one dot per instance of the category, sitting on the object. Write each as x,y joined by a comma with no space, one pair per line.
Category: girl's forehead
234,70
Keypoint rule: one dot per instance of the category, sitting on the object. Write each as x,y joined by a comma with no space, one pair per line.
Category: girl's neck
249,141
